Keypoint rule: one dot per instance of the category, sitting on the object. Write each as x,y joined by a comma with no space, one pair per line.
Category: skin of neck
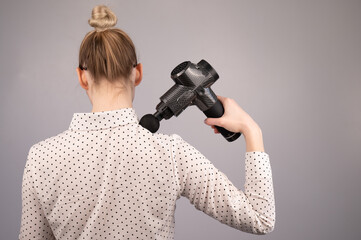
108,96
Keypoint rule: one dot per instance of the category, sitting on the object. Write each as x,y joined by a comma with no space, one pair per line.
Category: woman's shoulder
47,143
159,135
170,137
161,139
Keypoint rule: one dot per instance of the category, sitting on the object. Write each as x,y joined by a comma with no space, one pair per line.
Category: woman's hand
235,119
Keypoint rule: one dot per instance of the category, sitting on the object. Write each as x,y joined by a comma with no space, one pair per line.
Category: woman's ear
138,74
82,78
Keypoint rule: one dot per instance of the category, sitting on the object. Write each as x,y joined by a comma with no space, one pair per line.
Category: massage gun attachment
192,87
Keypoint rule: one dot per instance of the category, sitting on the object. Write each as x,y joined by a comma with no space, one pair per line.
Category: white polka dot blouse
107,177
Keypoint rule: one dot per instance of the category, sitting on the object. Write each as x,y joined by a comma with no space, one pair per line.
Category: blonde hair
106,52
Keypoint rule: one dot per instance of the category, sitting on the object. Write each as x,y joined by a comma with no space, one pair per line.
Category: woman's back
107,177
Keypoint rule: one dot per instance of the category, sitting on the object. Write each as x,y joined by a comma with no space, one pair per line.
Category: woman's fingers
215,129
220,98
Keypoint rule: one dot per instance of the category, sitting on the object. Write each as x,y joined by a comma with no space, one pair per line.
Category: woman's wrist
254,139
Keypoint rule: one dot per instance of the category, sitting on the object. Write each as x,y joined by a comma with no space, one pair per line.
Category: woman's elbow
264,231
264,226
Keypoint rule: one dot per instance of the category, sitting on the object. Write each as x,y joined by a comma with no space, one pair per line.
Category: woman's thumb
212,121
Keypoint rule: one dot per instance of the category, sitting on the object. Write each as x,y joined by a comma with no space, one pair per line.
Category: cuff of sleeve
258,164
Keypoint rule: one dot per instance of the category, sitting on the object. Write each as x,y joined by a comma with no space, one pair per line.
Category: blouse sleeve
34,224
210,191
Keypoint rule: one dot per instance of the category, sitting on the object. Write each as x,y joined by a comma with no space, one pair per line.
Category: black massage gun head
150,122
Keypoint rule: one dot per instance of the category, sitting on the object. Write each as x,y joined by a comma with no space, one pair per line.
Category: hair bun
102,18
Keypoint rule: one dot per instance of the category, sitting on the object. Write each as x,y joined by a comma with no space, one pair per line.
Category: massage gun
192,87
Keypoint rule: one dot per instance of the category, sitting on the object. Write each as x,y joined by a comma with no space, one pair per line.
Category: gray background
294,66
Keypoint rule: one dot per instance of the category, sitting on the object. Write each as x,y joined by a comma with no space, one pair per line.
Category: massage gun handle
217,111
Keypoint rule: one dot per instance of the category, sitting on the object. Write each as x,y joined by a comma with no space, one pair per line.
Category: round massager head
150,122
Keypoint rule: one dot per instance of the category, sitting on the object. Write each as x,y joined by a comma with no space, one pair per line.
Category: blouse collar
103,120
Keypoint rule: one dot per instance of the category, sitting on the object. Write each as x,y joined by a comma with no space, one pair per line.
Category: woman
106,177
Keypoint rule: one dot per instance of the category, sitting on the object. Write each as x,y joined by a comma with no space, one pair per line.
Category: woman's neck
108,99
